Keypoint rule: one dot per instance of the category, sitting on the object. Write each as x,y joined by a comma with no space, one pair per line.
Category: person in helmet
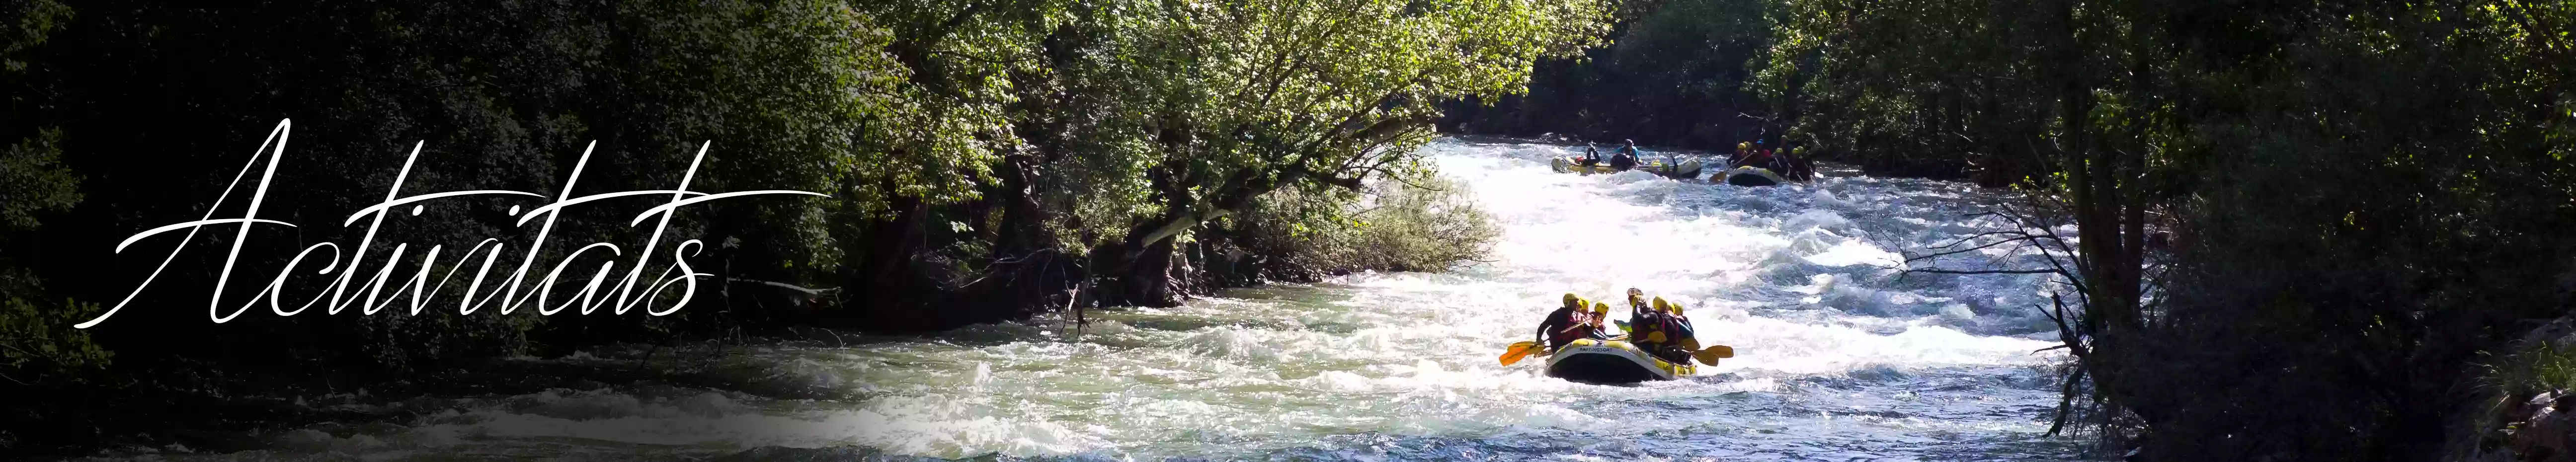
1564,325
1801,165
1591,156
1787,163
1626,158
1644,323
1679,340
1743,151
1600,320
1757,156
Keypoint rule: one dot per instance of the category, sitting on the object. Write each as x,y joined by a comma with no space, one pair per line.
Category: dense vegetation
2368,203
1678,75
985,161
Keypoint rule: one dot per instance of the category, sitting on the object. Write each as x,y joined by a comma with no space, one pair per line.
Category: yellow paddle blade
1712,354
1517,351
1706,357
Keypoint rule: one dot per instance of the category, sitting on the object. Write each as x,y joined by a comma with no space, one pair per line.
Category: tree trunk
1028,274
1148,281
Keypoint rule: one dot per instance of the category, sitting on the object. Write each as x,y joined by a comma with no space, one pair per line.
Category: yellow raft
1611,362
1683,170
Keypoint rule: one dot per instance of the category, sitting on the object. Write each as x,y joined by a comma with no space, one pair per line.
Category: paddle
1708,355
1711,354
1514,353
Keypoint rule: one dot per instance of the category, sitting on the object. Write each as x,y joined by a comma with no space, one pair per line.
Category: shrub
1391,226
1431,227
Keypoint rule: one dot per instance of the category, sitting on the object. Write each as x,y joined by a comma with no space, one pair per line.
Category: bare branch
1978,235
1984,246
793,287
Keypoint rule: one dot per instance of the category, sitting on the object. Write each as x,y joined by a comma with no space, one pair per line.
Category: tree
2357,193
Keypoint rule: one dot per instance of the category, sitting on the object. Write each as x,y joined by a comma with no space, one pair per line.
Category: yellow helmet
1743,146
1660,305
1676,309
1573,301
1600,308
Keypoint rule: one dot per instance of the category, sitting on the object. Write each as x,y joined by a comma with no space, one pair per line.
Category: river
1839,357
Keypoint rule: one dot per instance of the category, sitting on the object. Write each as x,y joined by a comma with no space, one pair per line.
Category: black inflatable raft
1611,362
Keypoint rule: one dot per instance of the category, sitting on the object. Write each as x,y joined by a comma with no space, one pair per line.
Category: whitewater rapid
1839,357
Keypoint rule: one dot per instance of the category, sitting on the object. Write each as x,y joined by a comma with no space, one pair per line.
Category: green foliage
1228,101
1396,226
39,345
2362,196
2543,368
956,138
1676,75
1952,89
1137,122
986,160
32,178
35,21
2509,395
1430,227
792,95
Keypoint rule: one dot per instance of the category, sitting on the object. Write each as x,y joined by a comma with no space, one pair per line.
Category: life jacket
1663,337
1581,329
1646,328
1678,333
1671,340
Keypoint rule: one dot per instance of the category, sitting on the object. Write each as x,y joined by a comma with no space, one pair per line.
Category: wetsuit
1560,328
1625,159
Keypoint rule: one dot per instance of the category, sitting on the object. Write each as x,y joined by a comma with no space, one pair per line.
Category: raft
1685,170
1611,362
1753,176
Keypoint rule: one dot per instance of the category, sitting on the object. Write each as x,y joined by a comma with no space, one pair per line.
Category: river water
1839,357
